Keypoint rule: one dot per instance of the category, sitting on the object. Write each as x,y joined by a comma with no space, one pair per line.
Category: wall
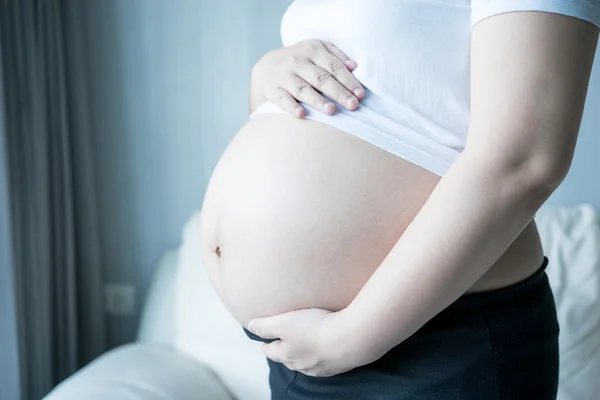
169,86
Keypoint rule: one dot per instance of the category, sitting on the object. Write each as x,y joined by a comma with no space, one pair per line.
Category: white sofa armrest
142,372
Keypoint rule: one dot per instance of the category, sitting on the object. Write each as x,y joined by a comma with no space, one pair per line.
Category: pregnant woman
380,240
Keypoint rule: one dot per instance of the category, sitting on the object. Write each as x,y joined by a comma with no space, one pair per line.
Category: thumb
266,327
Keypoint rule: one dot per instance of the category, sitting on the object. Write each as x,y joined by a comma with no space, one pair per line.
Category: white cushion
571,241
142,372
205,330
157,323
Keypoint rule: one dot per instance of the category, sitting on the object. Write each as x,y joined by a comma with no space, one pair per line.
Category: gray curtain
9,358
55,268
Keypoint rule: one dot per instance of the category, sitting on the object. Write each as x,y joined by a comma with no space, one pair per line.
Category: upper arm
529,78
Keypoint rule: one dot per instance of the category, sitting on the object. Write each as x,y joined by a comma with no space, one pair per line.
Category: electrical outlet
119,299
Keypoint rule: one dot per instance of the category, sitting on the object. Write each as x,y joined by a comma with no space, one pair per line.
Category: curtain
9,358
53,230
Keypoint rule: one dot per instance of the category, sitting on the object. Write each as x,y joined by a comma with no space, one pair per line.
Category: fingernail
251,326
351,64
358,92
299,111
328,107
352,102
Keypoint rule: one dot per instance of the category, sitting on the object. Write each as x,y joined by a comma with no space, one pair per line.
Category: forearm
470,219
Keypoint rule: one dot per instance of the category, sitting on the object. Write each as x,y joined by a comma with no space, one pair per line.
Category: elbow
545,173
540,179
531,182
532,178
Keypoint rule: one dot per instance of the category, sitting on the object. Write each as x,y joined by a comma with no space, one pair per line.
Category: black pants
496,345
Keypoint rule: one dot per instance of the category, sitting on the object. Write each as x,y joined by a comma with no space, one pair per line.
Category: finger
333,49
327,84
274,351
306,93
268,327
332,65
286,101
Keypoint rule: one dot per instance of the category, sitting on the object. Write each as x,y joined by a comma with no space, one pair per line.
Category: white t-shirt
413,60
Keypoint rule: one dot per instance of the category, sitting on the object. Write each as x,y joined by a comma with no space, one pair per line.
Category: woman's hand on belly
312,341
300,73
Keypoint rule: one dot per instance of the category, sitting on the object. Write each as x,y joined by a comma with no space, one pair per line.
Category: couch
188,347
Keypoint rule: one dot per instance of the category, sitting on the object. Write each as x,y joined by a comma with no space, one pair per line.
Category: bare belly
298,214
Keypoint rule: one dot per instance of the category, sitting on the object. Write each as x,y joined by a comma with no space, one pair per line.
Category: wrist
256,97
353,341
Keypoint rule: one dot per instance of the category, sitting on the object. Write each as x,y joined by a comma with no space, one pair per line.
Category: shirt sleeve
588,10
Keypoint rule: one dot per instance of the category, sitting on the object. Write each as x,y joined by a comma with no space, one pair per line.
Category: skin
303,72
524,67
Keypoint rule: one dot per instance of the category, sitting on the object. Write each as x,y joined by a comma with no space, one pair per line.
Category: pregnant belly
298,214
